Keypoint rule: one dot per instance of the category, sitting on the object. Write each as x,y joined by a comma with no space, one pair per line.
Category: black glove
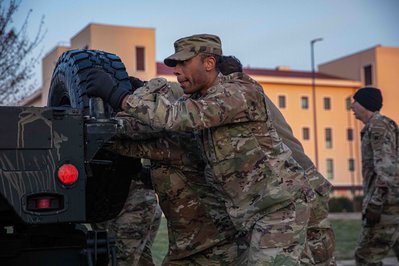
136,83
100,84
373,214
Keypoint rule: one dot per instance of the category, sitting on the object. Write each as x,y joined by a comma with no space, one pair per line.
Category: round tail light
68,174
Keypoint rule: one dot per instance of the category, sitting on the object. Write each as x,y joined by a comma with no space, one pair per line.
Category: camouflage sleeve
383,141
136,130
133,129
159,149
223,105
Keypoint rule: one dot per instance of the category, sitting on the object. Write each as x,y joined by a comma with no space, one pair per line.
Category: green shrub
340,204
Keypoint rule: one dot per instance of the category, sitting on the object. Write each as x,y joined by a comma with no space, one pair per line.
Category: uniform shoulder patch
377,133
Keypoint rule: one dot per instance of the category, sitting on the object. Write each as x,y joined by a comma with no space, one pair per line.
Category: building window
327,103
305,102
305,133
330,168
281,101
328,132
140,58
348,103
351,165
349,134
368,75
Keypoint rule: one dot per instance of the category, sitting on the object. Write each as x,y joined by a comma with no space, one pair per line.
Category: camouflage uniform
320,235
199,229
136,226
264,189
381,190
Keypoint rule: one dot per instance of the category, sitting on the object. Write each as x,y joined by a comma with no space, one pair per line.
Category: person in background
380,170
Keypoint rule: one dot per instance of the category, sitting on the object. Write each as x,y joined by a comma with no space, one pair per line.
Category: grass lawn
160,245
346,234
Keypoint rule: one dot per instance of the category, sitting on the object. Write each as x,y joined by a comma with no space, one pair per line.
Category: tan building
337,146
377,67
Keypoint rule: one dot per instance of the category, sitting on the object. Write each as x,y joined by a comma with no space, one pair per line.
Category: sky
261,33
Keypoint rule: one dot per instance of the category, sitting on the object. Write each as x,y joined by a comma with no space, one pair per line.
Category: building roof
162,69
286,73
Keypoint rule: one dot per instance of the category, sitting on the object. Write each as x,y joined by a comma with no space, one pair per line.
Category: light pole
316,153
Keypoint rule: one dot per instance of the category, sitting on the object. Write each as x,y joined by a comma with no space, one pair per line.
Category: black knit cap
369,97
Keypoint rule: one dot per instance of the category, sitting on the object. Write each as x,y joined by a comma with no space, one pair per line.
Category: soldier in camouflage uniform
320,234
199,229
263,188
380,232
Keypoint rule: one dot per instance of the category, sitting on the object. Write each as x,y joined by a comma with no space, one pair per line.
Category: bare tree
17,61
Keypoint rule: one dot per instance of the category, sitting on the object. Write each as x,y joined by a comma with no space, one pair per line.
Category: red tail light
68,174
43,203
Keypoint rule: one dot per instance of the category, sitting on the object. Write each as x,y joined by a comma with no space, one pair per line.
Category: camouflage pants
321,238
232,253
279,238
135,227
375,243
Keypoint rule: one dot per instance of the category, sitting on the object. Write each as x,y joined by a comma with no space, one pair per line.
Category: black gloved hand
136,83
373,214
100,84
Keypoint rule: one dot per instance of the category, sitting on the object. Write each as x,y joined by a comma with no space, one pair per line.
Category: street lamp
316,153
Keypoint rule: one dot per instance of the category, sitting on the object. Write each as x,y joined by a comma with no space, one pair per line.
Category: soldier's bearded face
193,75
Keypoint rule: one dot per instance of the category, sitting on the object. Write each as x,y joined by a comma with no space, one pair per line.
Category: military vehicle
57,178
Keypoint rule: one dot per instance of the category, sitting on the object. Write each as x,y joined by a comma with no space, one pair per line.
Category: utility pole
316,152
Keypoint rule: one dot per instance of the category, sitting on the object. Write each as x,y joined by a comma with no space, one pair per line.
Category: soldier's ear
210,63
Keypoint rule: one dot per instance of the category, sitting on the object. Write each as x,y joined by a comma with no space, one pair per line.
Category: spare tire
68,83
107,184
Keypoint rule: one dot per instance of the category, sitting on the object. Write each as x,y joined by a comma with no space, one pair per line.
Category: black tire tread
73,66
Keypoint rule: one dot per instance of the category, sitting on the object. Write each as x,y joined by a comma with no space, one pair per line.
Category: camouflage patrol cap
188,47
